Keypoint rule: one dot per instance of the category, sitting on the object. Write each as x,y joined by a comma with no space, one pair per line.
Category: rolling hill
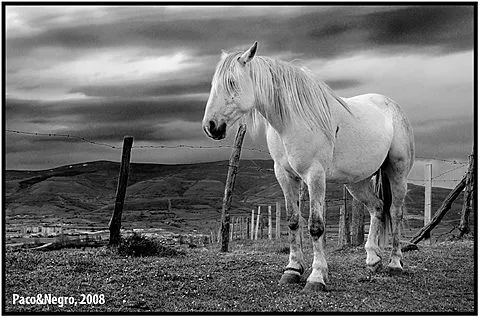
179,198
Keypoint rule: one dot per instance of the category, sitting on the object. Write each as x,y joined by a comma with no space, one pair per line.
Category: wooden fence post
258,221
242,228
468,194
277,220
428,199
116,220
344,223
252,225
447,203
270,236
236,232
237,228
247,227
325,208
342,236
232,174
235,224
262,225
358,220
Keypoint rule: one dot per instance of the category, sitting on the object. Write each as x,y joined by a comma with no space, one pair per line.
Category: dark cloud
25,153
318,33
32,109
105,120
450,27
144,89
107,110
447,138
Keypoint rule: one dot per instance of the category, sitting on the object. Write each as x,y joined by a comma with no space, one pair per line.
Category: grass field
439,278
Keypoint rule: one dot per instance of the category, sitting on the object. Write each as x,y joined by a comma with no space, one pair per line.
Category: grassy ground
439,278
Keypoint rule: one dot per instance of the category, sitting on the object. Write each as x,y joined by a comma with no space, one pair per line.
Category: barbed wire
258,167
251,199
448,171
194,147
443,180
62,135
94,142
455,162
133,147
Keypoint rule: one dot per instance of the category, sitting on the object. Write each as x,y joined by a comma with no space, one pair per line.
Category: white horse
314,135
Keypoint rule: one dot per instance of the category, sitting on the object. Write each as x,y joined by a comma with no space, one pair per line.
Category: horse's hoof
375,267
288,278
314,287
395,270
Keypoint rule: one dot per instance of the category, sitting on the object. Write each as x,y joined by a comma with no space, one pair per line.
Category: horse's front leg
290,184
315,180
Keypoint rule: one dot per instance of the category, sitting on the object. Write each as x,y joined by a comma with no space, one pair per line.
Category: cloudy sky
105,72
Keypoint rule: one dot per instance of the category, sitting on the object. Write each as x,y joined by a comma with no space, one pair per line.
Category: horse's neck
338,113
268,116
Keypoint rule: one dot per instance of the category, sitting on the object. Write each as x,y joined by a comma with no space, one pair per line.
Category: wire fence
255,199
94,142
454,162
457,163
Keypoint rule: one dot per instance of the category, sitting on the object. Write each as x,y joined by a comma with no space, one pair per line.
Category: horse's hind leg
399,162
364,192
397,170
290,184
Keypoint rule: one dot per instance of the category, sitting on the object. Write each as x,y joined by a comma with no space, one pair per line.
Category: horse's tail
384,192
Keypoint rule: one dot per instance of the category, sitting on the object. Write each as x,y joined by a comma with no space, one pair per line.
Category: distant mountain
176,197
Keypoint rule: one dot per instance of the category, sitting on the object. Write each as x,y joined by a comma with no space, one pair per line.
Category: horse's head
231,95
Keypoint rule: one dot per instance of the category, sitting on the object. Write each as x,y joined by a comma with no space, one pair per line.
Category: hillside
83,195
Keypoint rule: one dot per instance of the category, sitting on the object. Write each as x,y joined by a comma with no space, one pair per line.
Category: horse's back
378,101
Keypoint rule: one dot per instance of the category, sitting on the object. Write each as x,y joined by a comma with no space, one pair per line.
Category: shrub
138,245
284,250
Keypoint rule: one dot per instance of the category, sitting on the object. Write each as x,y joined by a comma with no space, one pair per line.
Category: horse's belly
361,144
346,170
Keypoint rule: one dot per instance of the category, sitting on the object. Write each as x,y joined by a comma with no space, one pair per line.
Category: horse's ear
224,54
248,55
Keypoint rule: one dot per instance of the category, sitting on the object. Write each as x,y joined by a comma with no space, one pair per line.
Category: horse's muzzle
215,132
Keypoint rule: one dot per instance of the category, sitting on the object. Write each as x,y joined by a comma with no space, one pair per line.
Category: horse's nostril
223,127
212,125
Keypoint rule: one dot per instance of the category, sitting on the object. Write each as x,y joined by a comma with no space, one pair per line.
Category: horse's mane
284,92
